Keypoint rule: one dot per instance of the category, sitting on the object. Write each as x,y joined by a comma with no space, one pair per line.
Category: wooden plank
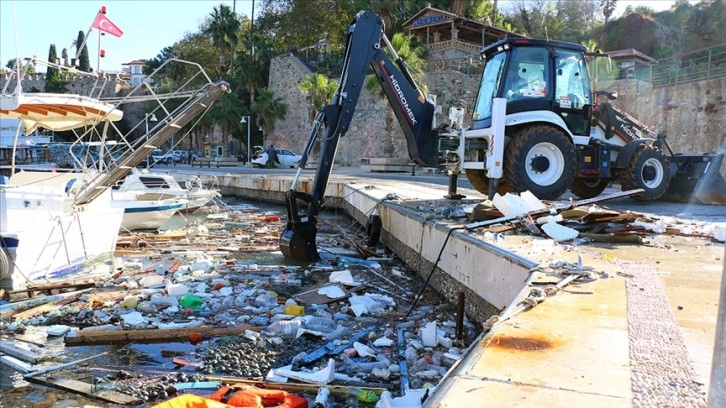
73,283
88,337
44,308
89,390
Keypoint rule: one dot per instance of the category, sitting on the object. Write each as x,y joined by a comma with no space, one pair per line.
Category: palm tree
413,55
223,28
268,109
319,90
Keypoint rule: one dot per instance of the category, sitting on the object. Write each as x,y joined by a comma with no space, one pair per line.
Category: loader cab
536,75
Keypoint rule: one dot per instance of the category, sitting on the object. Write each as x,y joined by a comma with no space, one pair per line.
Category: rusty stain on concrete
531,343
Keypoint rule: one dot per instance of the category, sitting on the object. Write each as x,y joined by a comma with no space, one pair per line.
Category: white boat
53,223
159,186
51,236
143,214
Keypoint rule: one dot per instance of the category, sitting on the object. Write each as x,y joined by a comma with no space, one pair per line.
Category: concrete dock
635,328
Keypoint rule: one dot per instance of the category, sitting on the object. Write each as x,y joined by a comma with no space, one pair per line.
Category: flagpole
98,56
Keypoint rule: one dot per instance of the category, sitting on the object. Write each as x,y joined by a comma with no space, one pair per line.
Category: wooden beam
86,389
43,308
297,387
88,337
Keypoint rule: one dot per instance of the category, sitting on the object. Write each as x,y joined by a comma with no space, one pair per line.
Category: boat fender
69,186
194,183
373,230
4,264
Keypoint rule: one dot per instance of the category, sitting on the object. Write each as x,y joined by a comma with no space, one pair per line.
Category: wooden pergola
442,30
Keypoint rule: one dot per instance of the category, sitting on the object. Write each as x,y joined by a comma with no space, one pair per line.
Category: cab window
527,71
572,90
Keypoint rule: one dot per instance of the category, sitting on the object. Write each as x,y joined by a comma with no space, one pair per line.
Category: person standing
271,157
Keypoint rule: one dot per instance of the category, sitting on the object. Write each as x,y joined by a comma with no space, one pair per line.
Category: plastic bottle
320,324
191,301
321,400
284,327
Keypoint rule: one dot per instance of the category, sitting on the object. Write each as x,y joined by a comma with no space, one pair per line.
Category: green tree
83,62
485,12
223,27
253,63
268,109
560,20
53,80
318,90
411,53
11,65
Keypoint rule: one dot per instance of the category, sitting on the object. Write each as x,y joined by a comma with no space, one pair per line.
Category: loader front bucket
696,179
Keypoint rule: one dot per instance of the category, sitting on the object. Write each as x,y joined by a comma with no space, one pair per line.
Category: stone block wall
80,85
692,115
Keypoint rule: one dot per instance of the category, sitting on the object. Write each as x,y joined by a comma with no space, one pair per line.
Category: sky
148,26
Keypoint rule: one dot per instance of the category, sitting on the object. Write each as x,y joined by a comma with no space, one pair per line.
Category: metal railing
703,64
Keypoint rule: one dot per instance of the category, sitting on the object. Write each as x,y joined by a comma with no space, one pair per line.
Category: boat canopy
56,112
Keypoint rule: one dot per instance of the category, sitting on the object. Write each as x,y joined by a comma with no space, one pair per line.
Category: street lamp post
248,121
149,117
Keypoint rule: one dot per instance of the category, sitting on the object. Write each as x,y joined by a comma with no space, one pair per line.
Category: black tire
588,188
540,159
649,170
480,182
373,230
169,160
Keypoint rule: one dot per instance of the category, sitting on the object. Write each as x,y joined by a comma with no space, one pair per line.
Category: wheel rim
591,183
652,173
544,164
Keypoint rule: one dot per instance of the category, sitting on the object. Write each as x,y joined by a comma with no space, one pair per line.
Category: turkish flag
104,24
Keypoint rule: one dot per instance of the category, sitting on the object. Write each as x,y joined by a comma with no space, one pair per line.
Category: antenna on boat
18,87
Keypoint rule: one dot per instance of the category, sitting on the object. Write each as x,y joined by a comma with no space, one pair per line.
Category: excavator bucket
696,179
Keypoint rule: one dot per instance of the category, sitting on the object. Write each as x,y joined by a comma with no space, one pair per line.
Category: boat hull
148,215
54,245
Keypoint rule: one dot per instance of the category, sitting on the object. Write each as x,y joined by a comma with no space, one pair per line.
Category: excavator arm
365,40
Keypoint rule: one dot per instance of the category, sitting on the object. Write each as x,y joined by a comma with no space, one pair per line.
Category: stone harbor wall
693,115
112,85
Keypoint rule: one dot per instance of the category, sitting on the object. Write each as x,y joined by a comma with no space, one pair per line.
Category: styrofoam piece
322,376
512,205
17,364
412,398
331,291
345,277
57,329
383,342
133,319
429,335
719,233
363,350
152,280
559,232
177,289
272,377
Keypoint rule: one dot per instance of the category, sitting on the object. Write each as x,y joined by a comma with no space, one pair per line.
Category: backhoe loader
537,125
